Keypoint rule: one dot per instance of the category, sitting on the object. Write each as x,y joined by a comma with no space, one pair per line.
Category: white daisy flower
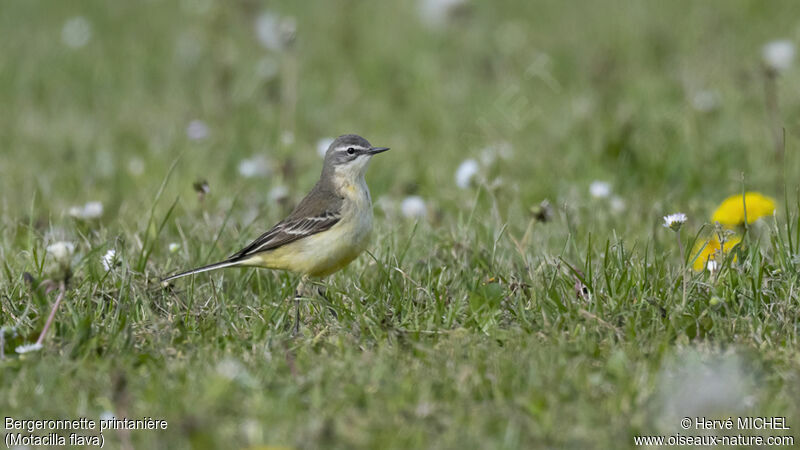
267,31
323,144
197,130
61,251
466,172
92,210
136,166
230,368
674,221
27,348
174,247
413,207
109,260
274,32
287,137
436,13
256,166
778,55
89,211
617,204
279,193
76,32
600,189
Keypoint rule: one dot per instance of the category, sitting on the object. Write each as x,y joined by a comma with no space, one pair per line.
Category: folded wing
289,231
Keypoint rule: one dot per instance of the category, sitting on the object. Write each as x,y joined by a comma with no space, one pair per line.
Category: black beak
376,150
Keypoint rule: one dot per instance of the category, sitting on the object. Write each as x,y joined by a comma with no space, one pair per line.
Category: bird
325,232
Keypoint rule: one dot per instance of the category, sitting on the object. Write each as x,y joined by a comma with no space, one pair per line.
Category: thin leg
301,287
296,329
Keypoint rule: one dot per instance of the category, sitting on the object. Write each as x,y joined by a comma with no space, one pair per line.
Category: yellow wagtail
328,229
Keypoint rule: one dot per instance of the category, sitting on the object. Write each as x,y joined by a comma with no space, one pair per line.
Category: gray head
349,155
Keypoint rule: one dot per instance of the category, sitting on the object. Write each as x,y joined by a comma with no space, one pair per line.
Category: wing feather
289,231
319,210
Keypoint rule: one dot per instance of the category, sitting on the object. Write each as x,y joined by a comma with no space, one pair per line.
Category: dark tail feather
219,265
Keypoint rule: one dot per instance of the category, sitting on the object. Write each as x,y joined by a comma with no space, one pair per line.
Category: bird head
348,156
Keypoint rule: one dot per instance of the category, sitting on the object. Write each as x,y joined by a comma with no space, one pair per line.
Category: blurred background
666,103
463,328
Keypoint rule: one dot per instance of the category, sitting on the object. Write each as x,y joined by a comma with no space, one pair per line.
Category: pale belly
324,253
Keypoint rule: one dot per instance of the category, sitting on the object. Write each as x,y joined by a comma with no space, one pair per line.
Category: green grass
466,329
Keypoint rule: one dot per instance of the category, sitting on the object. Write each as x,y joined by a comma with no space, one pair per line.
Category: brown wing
286,232
319,211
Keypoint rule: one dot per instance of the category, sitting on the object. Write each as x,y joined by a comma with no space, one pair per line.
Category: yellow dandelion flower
730,212
711,251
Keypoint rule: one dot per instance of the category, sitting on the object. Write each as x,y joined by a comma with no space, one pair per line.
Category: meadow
521,289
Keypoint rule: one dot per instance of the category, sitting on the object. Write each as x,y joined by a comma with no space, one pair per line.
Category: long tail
219,265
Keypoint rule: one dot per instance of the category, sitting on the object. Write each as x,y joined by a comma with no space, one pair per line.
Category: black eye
351,151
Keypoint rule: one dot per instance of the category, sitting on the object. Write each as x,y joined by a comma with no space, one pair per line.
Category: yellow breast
324,253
